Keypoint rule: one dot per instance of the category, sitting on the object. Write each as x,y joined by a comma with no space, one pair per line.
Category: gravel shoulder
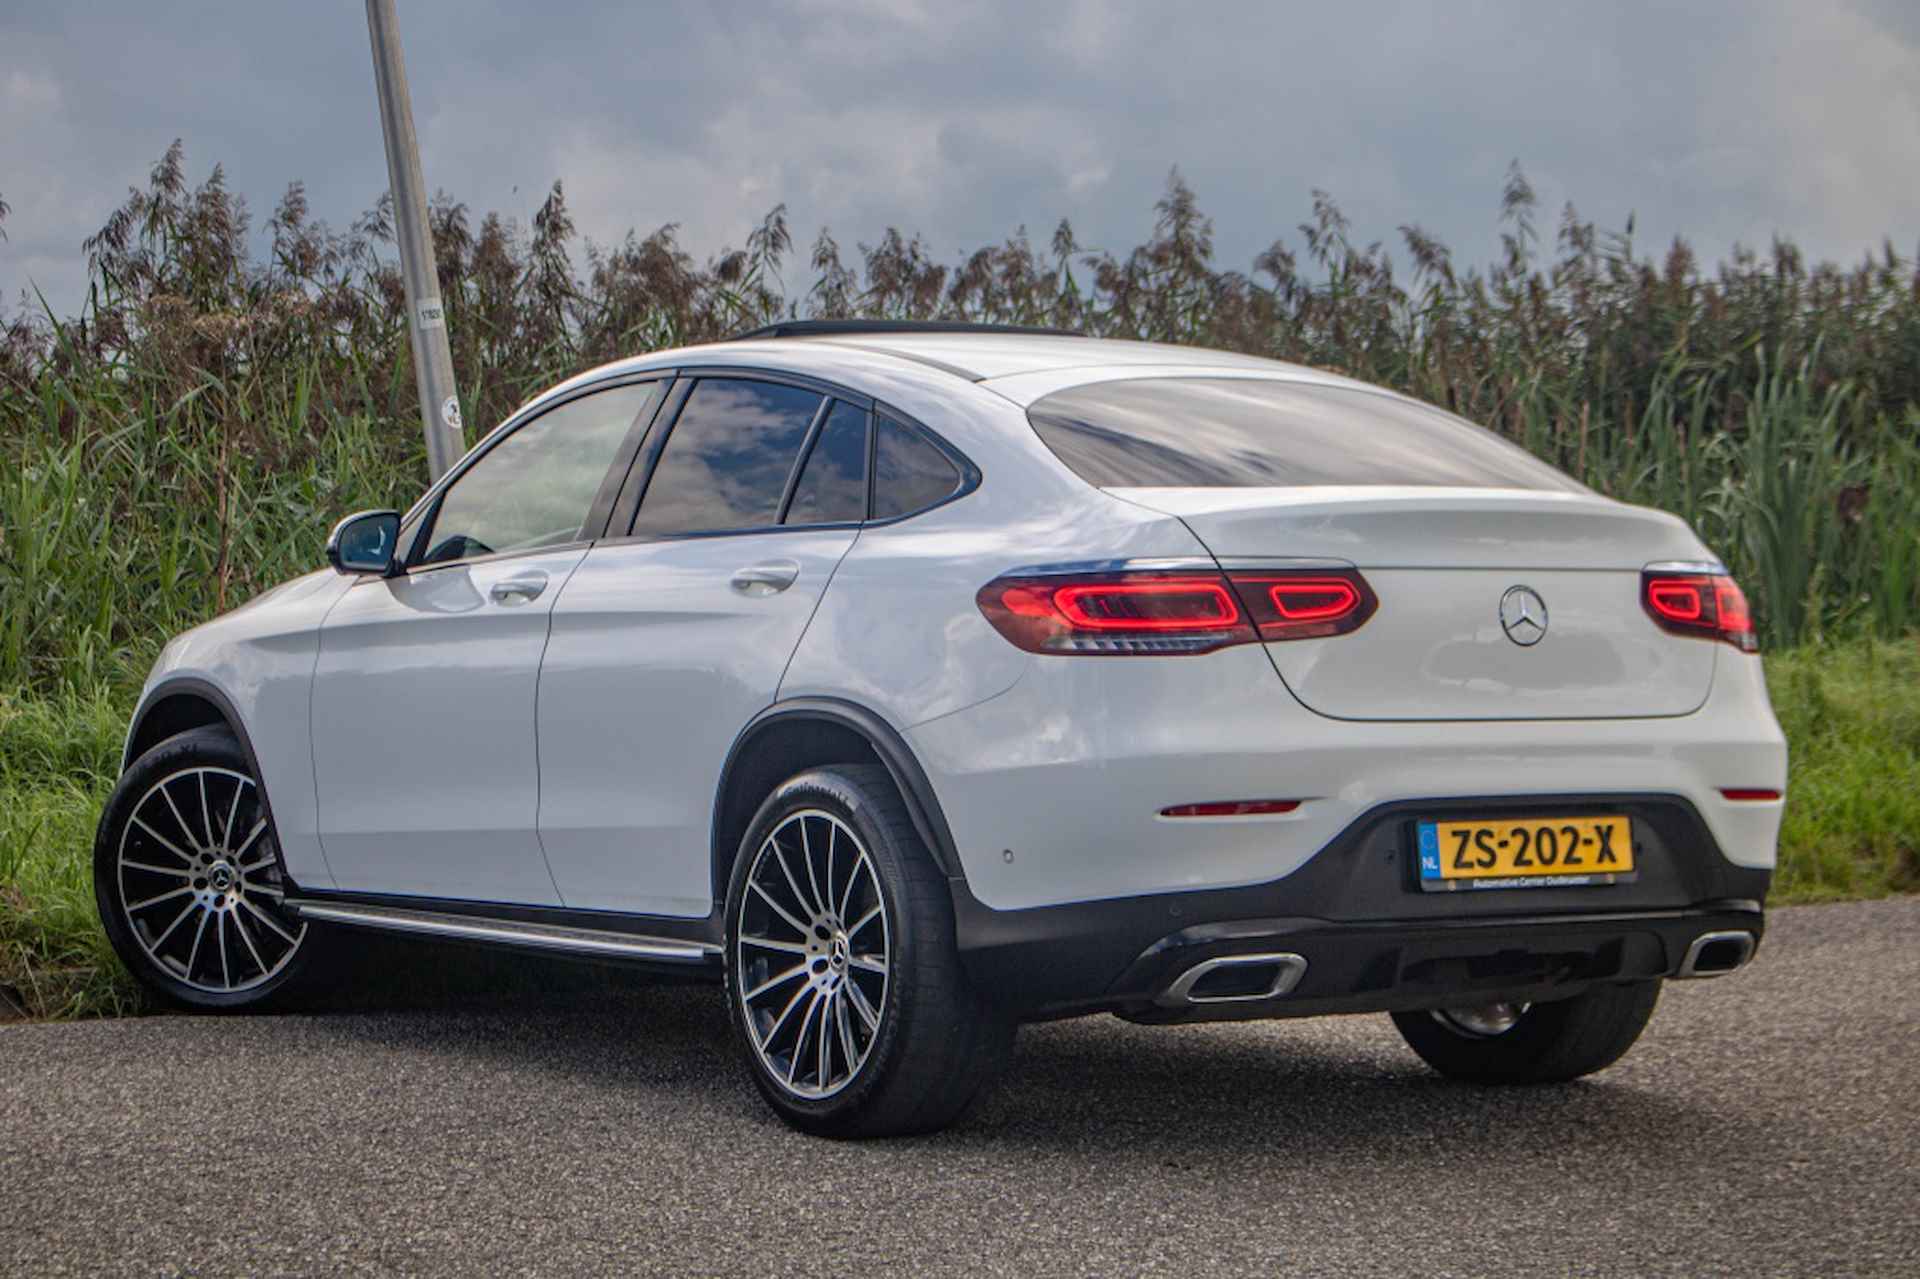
1766,1124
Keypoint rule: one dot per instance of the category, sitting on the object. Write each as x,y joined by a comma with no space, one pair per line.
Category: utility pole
426,318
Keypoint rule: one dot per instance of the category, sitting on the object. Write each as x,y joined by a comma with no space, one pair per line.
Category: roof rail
845,328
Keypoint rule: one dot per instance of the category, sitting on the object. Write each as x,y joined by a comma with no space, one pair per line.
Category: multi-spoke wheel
188,878
841,968
1509,1042
812,953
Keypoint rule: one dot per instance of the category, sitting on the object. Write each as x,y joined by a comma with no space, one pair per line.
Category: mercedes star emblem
1523,615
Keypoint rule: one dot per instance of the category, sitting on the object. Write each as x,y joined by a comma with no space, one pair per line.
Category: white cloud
1723,121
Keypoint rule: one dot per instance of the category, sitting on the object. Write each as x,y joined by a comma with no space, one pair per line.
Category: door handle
519,590
769,577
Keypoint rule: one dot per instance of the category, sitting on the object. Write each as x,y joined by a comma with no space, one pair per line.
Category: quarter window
910,471
726,464
833,481
535,487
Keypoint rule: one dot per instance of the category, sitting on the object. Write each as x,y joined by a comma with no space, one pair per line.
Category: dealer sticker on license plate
1533,852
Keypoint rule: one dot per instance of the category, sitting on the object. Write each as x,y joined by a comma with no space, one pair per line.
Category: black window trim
627,508
807,441
426,512
807,447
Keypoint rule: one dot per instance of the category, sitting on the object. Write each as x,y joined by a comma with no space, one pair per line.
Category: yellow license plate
1529,853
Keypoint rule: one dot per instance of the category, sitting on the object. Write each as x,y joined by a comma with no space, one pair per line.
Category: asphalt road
1766,1124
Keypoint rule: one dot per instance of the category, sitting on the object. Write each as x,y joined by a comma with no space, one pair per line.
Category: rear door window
910,471
833,480
1247,433
727,462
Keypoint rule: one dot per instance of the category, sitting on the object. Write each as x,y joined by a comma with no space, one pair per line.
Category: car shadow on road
1184,1095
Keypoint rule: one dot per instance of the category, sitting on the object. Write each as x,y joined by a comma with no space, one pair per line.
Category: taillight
1287,606
1709,605
1144,613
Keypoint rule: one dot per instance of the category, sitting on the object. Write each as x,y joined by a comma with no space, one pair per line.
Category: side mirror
364,543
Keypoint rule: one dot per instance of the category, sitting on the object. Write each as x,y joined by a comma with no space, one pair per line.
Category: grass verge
1852,830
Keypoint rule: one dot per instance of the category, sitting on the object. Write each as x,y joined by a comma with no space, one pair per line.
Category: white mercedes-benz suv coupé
919,680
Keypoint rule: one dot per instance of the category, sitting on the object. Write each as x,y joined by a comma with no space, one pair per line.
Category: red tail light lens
1287,606
1709,605
1172,605
1314,599
1116,613
1167,613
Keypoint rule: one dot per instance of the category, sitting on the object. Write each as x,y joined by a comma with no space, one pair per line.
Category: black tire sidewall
1552,1043
202,747
853,800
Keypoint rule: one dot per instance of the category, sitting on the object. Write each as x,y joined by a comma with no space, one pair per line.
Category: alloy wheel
199,882
812,954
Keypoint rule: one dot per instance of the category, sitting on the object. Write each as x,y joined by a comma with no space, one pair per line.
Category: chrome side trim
1289,968
1689,967
580,941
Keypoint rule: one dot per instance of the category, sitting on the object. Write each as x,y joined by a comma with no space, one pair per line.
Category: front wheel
1509,1043
187,877
843,978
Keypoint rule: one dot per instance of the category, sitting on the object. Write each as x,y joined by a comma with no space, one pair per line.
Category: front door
426,765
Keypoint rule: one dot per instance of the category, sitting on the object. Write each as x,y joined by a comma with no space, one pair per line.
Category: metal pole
426,318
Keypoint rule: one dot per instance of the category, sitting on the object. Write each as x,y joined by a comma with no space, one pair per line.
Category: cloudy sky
1724,120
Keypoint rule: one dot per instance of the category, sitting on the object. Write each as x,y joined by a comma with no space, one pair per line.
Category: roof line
913,358
843,328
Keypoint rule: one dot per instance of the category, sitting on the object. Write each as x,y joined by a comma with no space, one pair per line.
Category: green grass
1852,718
1851,713
58,758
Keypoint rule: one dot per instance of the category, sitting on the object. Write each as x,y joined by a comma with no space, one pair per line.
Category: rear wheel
187,876
843,978
1510,1043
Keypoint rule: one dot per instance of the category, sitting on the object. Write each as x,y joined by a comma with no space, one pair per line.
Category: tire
837,1048
188,879
1546,1043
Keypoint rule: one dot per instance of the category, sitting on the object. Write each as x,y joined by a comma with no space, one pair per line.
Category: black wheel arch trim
923,806
206,691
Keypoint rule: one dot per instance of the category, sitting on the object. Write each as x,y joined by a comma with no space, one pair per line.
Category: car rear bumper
1363,936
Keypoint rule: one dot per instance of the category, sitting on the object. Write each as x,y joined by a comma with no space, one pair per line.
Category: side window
535,487
726,464
833,480
910,472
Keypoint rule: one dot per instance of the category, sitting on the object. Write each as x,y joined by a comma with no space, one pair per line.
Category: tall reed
185,440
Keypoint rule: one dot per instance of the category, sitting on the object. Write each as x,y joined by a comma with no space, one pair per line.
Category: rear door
667,641
425,764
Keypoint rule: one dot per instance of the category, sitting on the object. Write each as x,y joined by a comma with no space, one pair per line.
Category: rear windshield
1246,433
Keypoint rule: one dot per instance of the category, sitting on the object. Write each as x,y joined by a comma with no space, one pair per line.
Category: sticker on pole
432,315
450,412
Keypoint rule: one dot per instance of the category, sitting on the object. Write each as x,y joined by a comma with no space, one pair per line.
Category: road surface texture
1766,1124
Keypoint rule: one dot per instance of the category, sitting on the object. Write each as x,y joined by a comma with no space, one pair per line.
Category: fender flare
923,806
206,691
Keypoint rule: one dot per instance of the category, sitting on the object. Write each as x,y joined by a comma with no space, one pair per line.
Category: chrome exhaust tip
1234,979
1716,954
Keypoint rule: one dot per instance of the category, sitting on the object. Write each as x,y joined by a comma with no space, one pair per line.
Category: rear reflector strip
1233,808
1749,793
